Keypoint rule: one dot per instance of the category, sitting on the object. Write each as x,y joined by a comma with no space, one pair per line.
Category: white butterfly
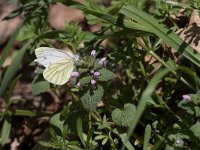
58,64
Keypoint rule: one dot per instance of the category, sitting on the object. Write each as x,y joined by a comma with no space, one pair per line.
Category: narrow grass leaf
12,69
147,135
104,16
8,47
29,113
162,32
6,128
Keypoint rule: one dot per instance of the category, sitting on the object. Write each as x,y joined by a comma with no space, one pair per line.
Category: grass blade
147,135
12,69
162,32
8,47
105,17
6,128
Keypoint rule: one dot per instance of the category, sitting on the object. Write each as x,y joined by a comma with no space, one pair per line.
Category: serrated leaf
195,129
85,80
197,111
123,117
92,97
40,87
106,74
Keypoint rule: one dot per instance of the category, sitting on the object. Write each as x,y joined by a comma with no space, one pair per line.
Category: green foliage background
142,108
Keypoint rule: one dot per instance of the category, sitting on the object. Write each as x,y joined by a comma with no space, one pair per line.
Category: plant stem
168,108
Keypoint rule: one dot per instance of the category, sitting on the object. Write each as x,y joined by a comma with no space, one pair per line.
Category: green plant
126,94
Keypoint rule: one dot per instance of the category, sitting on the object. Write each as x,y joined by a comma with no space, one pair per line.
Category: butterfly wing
59,72
47,56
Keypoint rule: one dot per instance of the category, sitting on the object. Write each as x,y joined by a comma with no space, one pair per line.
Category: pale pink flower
102,60
75,74
93,82
187,97
97,74
78,84
93,53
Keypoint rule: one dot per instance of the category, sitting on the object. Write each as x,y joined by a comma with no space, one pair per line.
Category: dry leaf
191,34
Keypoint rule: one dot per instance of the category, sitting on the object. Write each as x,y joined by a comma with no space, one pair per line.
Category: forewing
59,72
47,56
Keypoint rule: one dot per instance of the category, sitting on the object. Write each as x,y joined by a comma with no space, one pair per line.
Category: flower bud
93,82
92,71
78,84
187,97
97,74
93,53
75,74
102,60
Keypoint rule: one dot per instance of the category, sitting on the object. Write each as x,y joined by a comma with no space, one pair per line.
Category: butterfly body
58,64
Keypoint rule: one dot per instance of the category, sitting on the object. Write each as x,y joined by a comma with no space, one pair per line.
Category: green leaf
147,135
85,80
92,97
197,111
6,128
8,46
11,88
89,142
126,142
92,20
124,117
55,34
12,69
195,129
40,87
28,113
99,137
162,32
13,14
79,127
106,74
26,32
46,144
56,125
105,17
104,141
87,36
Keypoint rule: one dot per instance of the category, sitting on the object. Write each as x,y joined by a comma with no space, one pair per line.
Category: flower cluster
95,74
